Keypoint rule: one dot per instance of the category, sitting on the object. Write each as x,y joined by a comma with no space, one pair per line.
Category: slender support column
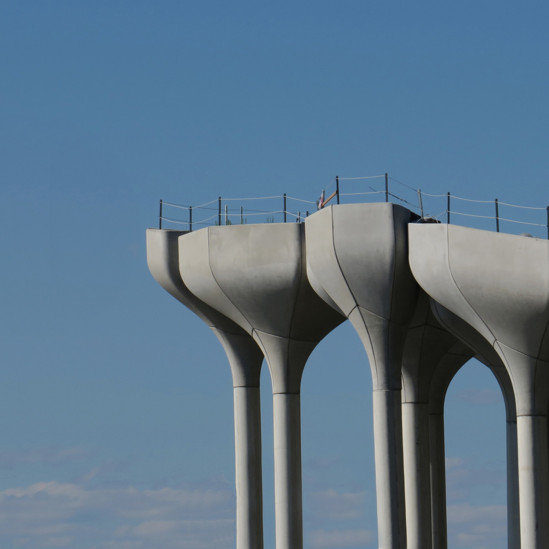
248,474
255,276
438,481
245,359
357,260
389,469
287,464
513,511
415,433
533,461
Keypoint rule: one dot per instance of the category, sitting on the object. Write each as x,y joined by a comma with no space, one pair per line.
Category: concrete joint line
456,286
290,339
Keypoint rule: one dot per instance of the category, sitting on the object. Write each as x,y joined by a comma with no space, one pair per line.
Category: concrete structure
424,298
499,285
245,359
357,256
255,275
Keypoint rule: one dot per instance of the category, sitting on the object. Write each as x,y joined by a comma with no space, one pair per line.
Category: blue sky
116,402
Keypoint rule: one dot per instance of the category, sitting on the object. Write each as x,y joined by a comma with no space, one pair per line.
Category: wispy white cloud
52,514
477,526
466,513
339,539
334,505
462,477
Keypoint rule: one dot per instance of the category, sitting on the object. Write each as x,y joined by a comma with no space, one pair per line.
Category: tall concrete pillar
499,285
486,354
357,260
430,353
445,371
245,359
255,275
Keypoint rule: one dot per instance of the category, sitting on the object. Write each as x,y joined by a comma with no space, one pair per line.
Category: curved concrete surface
432,356
255,275
357,255
499,285
443,374
486,354
430,352
277,289
245,359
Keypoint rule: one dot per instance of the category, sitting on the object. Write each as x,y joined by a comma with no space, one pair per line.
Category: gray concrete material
484,351
287,455
244,356
391,510
248,468
430,353
481,277
437,454
445,371
357,256
245,360
429,344
417,481
442,378
426,347
488,355
255,275
533,461
513,510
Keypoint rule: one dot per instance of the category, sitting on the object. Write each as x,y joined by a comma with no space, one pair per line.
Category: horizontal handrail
275,208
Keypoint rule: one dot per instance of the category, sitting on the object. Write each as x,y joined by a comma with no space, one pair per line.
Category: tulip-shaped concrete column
245,359
255,275
499,284
486,354
447,367
357,260
430,352
432,356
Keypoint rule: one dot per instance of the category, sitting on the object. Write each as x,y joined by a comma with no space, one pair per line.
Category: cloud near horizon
54,514
477,526
340,539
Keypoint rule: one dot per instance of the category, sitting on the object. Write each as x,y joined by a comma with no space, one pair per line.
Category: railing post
160,216
241,215
386,187
226,213
190,219
337,189
284,207
497,216
219,211
420,202
448,210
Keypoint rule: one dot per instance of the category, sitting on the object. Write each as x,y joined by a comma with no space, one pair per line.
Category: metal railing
444,208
